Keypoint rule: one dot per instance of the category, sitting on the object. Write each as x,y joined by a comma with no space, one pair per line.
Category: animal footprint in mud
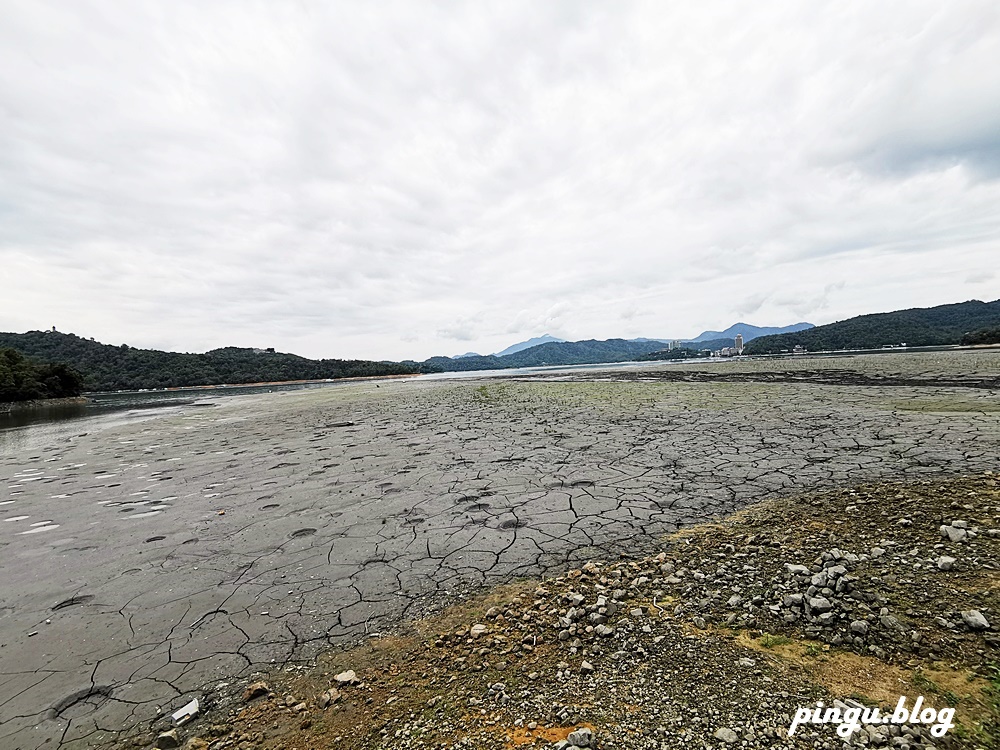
302,532
514,523
154,539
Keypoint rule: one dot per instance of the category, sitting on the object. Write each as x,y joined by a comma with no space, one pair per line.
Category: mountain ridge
520,346
751,332
916,326
106,367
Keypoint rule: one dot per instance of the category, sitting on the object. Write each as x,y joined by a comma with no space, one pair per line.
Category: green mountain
24,380
112,368
919,326
551,353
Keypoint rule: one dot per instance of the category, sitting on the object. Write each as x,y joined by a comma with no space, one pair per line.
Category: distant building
739,343
799,349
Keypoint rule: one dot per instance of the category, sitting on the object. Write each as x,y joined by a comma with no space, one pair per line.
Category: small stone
300,708
860,627
586,667
328,697
820,604
478,630
582,737
945,563
168,740
727,735
953,533
256,690
196,743
347,678
975,620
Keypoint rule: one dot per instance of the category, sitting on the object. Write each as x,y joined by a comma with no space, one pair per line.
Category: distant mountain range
708,339
548,353
750,332
918,326
538,341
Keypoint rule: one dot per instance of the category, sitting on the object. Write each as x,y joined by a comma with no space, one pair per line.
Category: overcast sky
398,180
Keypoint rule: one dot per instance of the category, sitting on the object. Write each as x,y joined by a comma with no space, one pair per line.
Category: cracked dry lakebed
145,563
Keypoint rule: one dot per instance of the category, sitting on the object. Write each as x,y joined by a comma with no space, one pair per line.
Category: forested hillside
111,368
24,380
552,353
919,326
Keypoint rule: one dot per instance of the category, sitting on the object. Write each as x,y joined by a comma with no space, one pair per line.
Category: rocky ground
851,597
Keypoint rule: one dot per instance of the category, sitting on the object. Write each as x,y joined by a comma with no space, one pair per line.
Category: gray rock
975,620
796,570
581,737
945,563
793,600
347,678
859,627
953,533
328,697
168,740
727,735
586,667
820,604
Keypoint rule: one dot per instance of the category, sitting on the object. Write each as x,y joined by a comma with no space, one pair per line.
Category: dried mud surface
147,563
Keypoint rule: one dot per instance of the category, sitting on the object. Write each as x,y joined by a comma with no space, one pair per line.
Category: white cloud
380,180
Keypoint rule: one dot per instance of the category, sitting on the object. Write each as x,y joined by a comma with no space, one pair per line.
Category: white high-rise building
739,343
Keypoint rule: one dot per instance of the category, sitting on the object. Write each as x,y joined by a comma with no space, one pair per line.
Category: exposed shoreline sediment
148,562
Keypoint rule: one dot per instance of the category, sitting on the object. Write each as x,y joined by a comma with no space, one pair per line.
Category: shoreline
10,407
174,389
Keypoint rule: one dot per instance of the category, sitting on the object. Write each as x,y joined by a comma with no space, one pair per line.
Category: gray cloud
383,179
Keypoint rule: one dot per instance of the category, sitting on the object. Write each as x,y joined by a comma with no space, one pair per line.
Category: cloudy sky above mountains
397,180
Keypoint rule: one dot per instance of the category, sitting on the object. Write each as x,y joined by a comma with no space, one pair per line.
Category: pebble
975,620
727,735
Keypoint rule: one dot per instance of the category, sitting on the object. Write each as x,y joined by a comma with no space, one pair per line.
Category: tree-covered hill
919,326
551,353
24,380
111,368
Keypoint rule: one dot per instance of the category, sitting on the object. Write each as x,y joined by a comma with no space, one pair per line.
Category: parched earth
145,564
845,598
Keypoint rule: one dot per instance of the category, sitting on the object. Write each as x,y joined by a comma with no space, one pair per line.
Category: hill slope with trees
112,368
551,353
24,380
918,326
